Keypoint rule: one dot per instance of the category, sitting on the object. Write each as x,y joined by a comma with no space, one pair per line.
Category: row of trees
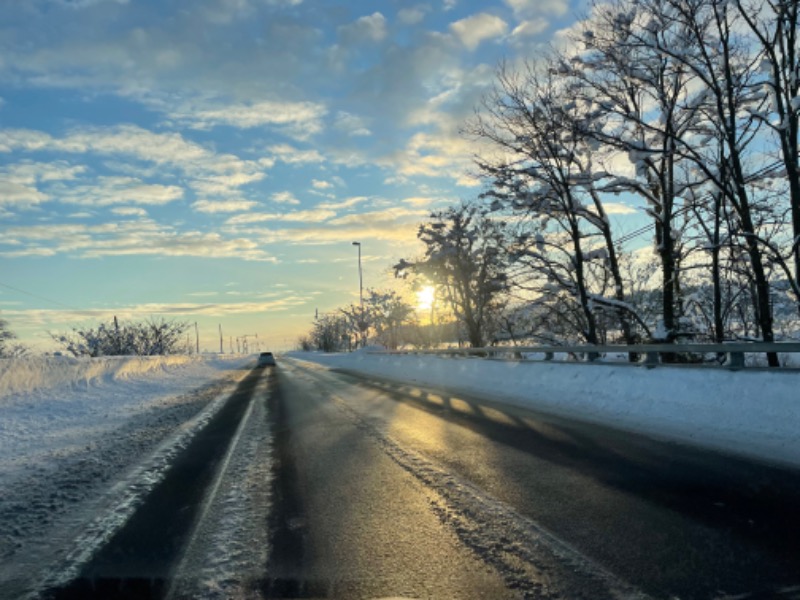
688,109
386,319
702,99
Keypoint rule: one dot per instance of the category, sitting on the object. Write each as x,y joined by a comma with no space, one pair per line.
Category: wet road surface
380,489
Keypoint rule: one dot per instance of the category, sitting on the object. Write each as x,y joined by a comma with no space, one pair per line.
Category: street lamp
360,295
360,278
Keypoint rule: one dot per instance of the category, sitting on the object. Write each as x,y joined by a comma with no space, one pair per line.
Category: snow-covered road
204,478
82,443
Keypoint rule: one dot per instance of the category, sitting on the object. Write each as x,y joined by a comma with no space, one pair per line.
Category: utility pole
117,339
230,341
361,323
197,338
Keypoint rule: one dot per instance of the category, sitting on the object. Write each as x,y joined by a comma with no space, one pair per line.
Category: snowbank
83,440
750,413
25,375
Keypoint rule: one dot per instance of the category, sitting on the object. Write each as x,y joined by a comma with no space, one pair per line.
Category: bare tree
8,348
546,175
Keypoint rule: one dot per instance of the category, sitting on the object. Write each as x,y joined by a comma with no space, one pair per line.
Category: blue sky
213,160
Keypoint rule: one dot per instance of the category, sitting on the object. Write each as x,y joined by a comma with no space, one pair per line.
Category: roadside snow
81,439
748,413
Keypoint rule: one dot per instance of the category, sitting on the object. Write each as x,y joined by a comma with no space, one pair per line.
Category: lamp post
360,278
360,295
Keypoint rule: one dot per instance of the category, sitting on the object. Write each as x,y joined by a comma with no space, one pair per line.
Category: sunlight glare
425,298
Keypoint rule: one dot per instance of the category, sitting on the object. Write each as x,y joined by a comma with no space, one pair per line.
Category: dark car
266,359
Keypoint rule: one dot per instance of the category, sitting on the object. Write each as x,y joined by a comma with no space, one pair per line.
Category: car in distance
266,359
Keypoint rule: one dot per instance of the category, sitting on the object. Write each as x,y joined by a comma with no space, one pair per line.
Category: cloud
285,197
208,172
57,318
419,201
413,15
223,206
348,203
20,195
615,208
352,125
292,156
370,28
321,185
28,172
132,237
300,119
387,216
474,30
297,216
79,4
106,191
315,236
530,28
129,211
527,9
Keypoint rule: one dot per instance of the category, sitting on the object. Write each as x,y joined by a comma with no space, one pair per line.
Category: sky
213,160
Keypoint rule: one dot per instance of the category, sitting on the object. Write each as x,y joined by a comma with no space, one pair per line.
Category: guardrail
651,353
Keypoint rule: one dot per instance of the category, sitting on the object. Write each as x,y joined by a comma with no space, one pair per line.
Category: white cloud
284,197
20,195
348,203
132,237
79,4
474,30
207,172
223,206
526,9
291,155
352,125
615,208
106,191
413,15
129,211
297,216
419,201
387,216
370,28
301,119
530,28
57,318
321,185
28,172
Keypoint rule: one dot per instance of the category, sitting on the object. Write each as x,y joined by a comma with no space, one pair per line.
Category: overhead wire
37,296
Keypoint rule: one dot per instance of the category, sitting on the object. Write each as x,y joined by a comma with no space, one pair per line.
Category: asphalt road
395,490
379,490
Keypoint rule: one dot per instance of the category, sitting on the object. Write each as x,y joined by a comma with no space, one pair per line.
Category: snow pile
79,436
19,375
749,413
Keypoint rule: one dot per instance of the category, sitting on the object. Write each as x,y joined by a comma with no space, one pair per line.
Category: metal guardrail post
549,355
735,361
592,356
652,360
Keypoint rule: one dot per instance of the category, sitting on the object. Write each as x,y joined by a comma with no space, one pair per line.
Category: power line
38,297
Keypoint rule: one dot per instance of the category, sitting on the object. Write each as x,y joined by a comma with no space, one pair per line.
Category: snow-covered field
749,413
83,441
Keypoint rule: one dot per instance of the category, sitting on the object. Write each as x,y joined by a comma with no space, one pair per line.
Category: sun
425,297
